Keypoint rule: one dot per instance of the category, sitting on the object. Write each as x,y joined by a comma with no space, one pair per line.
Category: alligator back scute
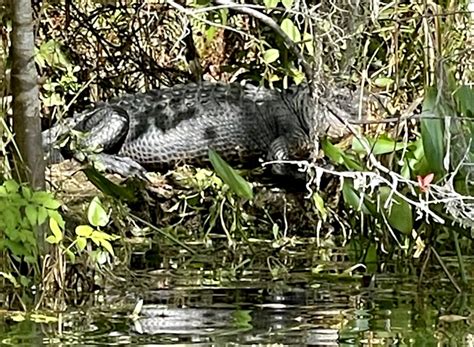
189,120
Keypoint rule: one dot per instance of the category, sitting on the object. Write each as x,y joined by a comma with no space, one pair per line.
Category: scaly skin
168,126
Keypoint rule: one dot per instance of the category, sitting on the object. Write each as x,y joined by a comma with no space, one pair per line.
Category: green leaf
56,216
42,215
11,186
96,213
31,214
337,155
370,259
271,55
287,3
107,186
10,278
27,193
432,133
382,145
242,319
16,248
52,239
298,76
106,244
81,243
332,152
45,199
291,30
58,234
400,215
319,203
84,230
383,82
271,3
309,43
236,182
352,198
97,234
464,97
71,255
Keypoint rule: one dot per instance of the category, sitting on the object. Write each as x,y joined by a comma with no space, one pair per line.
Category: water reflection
317,312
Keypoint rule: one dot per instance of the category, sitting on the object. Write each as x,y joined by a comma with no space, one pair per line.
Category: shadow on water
198,308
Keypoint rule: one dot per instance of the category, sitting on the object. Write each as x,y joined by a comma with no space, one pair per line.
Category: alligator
168,126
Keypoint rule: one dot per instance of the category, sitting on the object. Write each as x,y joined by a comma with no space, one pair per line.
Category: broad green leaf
58,234
56,216
400,216
298,76
27,193
31,214
96,213
52,203
271,3
370,259
332,152
16,248
42,215
45,199
432,133
464,97
291,30
52,239
271,55
84,230
405,170
71,255
81,243
107,186
382,145
236,182
352,198
97,234
383,82
11,186
287,3
106,244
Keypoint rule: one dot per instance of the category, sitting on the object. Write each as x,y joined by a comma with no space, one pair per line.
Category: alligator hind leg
107,130
279,151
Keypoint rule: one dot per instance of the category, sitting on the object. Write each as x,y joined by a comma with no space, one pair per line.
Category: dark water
212,307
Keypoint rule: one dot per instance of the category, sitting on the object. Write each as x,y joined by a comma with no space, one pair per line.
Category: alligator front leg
124,166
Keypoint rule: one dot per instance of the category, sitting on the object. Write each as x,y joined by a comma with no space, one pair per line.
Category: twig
445,269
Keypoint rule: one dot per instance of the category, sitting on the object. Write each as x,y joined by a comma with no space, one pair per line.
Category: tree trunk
26,120
29,160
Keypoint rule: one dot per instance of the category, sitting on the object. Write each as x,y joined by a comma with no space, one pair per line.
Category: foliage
63,81
86,236
241,187
22,211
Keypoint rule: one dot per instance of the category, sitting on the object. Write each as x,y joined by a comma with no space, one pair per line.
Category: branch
272,24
